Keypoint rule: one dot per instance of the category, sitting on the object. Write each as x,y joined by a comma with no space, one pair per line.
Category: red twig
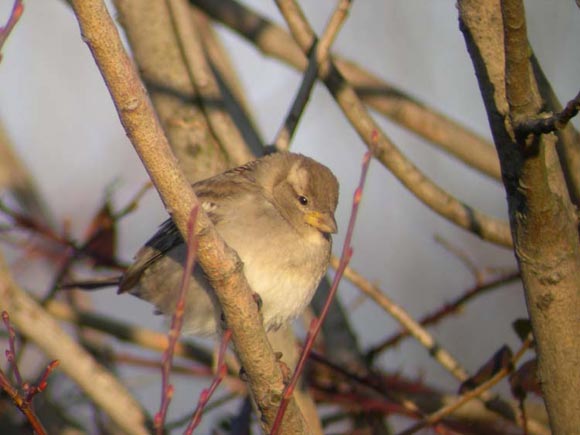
15,15
445,310
40,386
316,324
176,324
436,417
208,392
11,351
23,403
69,249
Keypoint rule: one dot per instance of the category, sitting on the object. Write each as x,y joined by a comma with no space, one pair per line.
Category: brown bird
277,212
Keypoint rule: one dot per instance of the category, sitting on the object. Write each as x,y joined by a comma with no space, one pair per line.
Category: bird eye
303,200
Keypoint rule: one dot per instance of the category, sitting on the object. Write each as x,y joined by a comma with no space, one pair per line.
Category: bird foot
258,301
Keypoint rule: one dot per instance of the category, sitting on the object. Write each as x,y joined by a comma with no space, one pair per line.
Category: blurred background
59,116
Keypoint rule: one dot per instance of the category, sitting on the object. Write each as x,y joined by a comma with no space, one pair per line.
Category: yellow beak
324,222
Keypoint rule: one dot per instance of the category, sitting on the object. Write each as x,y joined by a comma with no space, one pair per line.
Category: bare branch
205,83
318,54
156,51
543,218
472,394
435,349
486,227
453,306
220,263
387,99
45,332
176,325
551,123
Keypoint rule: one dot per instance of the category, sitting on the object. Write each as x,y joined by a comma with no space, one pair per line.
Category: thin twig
462,256
448,308
11,351
207,393
316,325
154,363
23,403
549,124
447,410
15,14
438,352
176,324
318,53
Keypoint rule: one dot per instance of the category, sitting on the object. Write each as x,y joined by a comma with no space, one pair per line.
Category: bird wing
213,193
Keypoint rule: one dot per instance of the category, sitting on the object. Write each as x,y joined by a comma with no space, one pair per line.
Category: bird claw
258,300
243,375
223,323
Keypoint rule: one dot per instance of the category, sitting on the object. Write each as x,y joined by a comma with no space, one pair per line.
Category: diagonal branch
471,394
486,227
43,330
205,83
220,263
318,53
542,216
274,41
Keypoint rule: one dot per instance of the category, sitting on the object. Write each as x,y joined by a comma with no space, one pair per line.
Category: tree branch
486,227
318,53
220,263
543,219
40,328
162,68
552,123
205,83
383,97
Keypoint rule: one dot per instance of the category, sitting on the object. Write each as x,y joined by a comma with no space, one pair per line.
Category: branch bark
543,219
163,71
220,263
204,81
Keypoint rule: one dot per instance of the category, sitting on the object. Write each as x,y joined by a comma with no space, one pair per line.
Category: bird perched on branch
277,212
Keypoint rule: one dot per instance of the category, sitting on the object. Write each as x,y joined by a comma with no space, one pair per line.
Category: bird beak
322,221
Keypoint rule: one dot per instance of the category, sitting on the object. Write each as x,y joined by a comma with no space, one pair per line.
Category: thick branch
204,81
543,219
221,264
162,68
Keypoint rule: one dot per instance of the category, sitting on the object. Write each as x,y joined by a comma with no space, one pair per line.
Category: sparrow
277,212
